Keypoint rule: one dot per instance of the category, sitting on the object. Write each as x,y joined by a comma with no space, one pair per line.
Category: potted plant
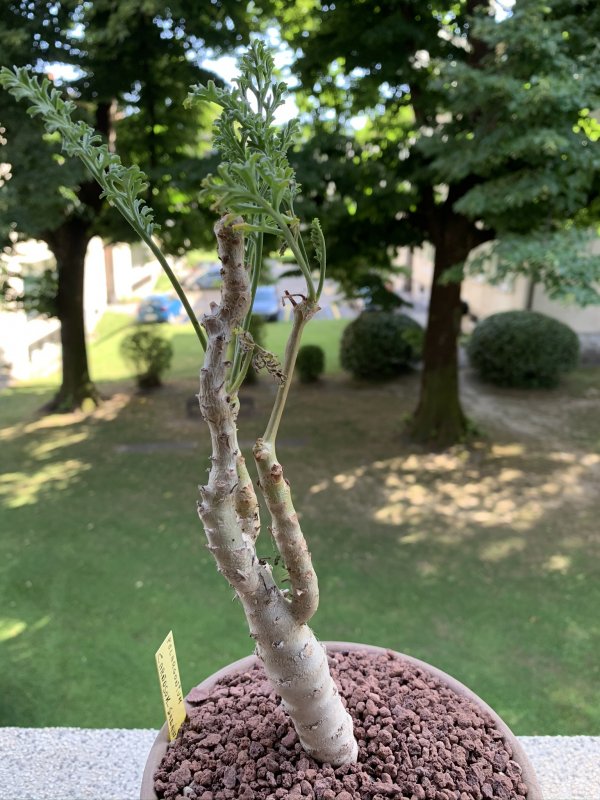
276,724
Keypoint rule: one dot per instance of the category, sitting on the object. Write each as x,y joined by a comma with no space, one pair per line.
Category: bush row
523,349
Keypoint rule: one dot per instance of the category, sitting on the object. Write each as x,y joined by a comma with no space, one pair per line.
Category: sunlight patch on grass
504,450
586,460
509,475
21,488
413,538
426,569
11,628
500,549
558,563
590,459
112,407
47,422
108,410
348,481
472,490
48,448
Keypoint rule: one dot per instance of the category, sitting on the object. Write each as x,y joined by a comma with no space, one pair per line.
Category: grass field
107,365
482,561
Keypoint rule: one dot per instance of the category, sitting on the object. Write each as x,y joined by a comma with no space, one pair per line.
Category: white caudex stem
295,662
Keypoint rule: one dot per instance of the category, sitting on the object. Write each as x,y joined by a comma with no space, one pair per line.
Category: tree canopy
480,129
127,66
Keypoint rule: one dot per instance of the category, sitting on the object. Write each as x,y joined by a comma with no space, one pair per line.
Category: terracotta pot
159,748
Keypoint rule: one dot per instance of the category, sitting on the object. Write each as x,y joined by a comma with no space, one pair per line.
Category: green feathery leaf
122,186
318,242
255,179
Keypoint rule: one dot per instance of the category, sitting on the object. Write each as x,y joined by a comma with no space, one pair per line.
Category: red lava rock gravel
418,740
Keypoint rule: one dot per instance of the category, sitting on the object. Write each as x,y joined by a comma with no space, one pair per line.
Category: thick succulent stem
297,666
294,660
246,502
290,541
302,313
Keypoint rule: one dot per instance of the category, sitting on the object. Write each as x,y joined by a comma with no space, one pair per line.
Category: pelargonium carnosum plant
254,191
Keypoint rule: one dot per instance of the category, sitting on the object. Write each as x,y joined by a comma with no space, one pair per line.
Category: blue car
159,308
266,303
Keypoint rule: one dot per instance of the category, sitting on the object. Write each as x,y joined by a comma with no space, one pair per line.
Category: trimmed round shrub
310,363
379,345
523,349
150,356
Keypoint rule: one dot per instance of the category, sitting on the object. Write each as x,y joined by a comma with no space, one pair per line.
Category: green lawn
483,562
107,364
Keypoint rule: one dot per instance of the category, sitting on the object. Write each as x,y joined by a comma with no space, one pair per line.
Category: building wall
484,299
131,271
95,298
582,320
30,345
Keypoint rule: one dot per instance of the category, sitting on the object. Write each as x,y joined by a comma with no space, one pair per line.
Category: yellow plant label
170,685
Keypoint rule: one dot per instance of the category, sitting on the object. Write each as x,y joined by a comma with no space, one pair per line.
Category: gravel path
84,764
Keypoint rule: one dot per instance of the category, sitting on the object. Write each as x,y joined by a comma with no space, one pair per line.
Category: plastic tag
170,685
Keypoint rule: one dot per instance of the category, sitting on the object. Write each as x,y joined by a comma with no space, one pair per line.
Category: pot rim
159,747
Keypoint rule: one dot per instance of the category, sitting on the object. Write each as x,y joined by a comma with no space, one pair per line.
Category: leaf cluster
159,51
354,191
38,295
121,186
513,131
467,120
253,151
255,179
565,261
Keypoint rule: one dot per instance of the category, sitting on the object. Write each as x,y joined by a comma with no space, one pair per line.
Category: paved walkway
76,764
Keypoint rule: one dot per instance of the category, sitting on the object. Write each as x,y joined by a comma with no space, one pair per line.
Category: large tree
128,66
480,130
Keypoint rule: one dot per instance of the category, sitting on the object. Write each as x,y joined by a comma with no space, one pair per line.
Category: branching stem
243,371
177,286
296,250
302,313
238,359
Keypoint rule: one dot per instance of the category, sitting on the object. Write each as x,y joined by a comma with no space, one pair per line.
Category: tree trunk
530,295
439,420
69,245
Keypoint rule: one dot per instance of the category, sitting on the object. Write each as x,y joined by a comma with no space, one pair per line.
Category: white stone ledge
107,764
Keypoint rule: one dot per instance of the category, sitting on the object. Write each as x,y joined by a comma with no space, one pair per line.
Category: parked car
266,303
159,308
211,279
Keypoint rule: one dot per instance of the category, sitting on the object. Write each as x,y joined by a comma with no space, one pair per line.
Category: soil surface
418,740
